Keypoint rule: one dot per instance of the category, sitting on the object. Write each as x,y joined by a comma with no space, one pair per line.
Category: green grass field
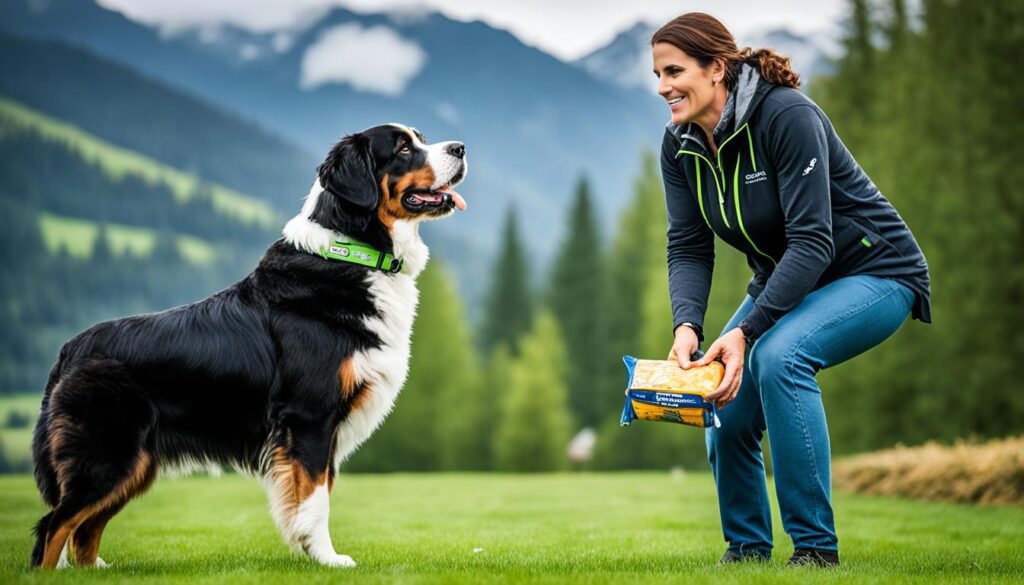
552,528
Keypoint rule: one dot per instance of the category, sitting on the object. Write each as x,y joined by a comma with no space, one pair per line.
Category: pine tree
497,384
102,252
444,364
533,426
509,305
576,296
637,251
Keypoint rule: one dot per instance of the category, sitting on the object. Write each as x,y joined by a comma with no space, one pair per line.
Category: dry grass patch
981,473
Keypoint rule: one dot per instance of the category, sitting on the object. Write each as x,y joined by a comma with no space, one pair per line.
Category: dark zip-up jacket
785,191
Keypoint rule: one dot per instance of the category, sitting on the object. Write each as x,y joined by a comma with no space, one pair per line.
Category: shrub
981,473
17,420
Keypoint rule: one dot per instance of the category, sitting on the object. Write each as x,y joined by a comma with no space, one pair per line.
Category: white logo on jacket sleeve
810,167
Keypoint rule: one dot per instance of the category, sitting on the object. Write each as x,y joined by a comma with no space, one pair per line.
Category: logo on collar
363,255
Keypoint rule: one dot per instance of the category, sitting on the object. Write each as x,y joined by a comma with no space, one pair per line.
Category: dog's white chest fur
382,371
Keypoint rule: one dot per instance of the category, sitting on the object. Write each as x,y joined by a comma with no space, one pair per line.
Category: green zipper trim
721,199
719,183
700,193
724,142
750,143
720,187
739,214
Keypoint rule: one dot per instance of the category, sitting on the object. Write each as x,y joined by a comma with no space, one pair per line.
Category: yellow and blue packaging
660,390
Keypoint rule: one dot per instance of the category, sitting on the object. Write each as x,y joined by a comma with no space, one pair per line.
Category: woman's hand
684,346
729,349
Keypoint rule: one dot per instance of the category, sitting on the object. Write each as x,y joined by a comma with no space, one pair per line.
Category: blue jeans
779,392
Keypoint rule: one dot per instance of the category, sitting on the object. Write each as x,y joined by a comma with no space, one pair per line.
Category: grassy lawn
557,528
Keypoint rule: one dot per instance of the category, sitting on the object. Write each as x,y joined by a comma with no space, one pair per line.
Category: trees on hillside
938,137
576,296
508,311
534,424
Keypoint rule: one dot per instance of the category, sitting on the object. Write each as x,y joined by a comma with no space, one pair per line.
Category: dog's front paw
101,564
339,561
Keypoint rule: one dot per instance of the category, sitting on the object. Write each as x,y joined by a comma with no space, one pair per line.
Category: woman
749,158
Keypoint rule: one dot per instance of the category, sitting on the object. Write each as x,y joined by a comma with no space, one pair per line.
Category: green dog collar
363,255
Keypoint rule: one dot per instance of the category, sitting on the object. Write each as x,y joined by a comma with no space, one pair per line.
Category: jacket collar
741,104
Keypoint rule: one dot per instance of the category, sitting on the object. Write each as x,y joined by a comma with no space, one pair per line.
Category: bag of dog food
661,390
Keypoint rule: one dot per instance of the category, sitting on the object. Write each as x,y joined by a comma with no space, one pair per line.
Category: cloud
282,42
448,112
568,29
248,52
374,59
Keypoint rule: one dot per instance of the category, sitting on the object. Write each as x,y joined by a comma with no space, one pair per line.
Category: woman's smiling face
685,85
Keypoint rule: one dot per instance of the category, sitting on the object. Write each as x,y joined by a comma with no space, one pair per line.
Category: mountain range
533,124
626,60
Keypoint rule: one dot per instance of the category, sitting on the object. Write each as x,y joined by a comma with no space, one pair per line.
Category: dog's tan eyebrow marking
415,135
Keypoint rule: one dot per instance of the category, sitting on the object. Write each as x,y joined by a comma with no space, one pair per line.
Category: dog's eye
405,149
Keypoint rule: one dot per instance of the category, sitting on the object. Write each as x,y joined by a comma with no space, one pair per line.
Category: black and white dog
282,375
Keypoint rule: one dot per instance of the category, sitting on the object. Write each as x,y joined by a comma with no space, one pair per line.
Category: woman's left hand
728,348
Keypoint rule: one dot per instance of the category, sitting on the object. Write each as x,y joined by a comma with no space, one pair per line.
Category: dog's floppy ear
348,173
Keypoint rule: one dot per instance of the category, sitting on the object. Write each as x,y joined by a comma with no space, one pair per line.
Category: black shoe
732,556
815,557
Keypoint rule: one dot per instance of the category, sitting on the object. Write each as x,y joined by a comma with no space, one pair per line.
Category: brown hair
704,38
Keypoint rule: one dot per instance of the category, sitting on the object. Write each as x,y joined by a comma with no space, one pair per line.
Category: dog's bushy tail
42,527
45,474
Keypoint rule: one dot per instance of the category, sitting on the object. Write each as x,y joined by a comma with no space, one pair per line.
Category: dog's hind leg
84,512
299,482
97,431
85,540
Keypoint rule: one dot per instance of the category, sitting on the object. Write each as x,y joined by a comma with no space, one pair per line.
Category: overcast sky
565,28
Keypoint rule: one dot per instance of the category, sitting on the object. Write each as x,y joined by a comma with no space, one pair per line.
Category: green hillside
122,106
93,231
78,237
118,162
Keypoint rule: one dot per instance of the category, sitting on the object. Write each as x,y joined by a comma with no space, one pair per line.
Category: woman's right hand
684,346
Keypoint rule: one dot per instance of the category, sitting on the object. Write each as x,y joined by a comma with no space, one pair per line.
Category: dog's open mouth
441,198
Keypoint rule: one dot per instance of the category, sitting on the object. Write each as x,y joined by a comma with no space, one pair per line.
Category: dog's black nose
456,149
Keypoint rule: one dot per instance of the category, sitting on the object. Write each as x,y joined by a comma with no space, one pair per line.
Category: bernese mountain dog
282,375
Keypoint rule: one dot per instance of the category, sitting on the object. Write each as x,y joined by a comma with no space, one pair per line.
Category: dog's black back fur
215,369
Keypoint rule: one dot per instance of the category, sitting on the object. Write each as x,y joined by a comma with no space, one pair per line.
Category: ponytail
775,68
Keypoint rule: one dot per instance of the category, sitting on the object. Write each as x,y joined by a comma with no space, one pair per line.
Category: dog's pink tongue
460,203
